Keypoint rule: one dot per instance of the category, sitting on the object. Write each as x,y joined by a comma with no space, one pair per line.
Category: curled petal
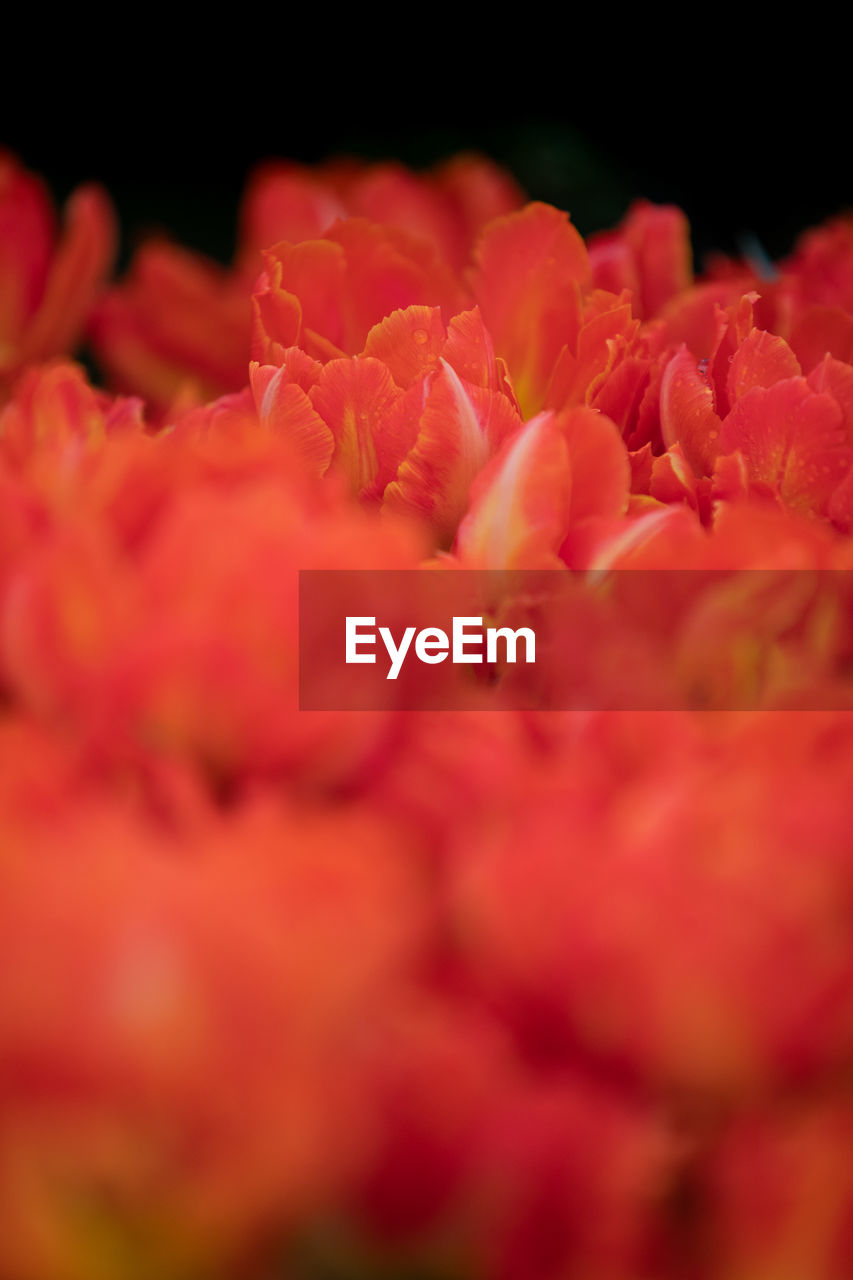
672,479
687,412
579,374
299,368
299,299
520,503
730,480
691,317
276,321
283,406
471,352
761,360
459,429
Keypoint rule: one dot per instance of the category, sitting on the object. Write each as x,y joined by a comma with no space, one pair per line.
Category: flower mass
552,990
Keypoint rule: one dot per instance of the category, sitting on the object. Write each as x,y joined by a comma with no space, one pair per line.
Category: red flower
48,284
177,330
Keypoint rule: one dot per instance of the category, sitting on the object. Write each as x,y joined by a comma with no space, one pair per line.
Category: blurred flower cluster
534,995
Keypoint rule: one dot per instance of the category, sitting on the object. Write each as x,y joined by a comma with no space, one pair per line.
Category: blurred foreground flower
48,283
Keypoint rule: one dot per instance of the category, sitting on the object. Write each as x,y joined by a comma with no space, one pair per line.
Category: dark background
749,138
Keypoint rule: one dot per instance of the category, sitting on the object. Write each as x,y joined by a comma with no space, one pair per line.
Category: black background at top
748,137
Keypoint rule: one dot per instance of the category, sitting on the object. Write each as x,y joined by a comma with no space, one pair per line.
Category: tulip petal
648,254
284,407
761,360
79,267
26,240
822,331
283,202
313,273
577,376
461,426
836,379
793,441
687,412
409,342
601,471
471,352
672,479
353,398
478,191
530,269
387,270
520,503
